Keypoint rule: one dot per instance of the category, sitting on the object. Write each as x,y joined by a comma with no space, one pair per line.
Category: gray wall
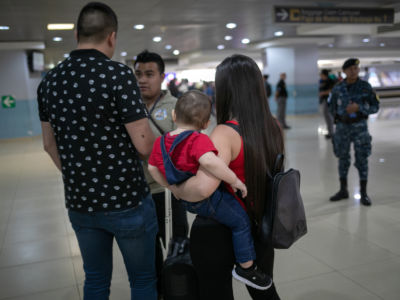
16,80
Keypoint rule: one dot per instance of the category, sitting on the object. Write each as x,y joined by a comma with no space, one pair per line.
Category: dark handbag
179,278
284,219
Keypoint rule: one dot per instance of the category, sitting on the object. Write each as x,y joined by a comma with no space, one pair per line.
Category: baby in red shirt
177,156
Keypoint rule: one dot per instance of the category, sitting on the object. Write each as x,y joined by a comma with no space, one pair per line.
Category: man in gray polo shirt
149,70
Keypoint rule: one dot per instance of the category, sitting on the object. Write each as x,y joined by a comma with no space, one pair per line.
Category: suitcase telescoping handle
168,221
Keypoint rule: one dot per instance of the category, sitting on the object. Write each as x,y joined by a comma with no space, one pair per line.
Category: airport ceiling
195,26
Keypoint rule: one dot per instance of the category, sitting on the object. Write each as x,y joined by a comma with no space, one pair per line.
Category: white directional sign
282,14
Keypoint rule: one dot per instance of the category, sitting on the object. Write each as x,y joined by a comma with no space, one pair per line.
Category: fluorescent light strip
157,39
65,26
139,27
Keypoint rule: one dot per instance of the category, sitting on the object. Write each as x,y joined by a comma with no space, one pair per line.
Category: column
16,80
300,63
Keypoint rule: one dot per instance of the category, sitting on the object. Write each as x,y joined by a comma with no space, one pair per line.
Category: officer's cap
350,62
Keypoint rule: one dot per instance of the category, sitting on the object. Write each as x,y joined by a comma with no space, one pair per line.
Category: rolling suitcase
179,279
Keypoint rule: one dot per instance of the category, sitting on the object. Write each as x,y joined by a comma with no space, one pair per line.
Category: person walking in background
267,85
325,86
172,87
149,70
351,102
281,95
94,128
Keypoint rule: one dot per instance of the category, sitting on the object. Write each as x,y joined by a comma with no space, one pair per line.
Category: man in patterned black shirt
94,128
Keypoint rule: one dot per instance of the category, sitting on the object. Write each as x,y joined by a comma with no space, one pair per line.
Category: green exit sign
7,101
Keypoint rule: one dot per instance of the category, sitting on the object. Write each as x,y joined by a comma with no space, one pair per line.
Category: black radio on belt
347,119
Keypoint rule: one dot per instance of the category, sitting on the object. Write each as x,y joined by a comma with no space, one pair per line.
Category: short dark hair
265,76
96,20
146,57
193,108
325,72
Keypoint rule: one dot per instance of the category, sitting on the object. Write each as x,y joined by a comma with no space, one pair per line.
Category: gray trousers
328,117
281,111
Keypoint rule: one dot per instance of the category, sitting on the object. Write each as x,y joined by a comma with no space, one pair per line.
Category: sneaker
252,277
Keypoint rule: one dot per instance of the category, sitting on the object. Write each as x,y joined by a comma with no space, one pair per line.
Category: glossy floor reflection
350,252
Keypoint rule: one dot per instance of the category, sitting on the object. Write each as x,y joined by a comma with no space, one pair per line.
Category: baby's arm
157,175
220,170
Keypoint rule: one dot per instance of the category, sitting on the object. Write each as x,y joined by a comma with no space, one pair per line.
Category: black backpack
284,219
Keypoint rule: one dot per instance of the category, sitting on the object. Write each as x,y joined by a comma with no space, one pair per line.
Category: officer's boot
343,193
363,191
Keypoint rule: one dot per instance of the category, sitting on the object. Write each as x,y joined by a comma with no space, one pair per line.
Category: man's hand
352,108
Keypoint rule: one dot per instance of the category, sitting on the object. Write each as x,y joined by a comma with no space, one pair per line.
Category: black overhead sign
286,14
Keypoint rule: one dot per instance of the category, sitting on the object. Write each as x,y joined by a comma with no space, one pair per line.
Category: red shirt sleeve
201,144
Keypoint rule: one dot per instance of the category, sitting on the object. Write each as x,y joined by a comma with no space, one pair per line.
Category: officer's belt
349,120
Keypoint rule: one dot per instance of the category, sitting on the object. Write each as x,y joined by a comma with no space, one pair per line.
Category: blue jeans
135,231
225,209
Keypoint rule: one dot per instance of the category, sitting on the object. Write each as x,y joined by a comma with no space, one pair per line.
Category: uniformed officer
350,102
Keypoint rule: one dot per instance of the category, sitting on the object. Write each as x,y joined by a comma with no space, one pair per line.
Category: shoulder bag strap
156,125
278,163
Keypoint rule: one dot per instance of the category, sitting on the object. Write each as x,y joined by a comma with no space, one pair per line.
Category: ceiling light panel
60,26
157,39
139,27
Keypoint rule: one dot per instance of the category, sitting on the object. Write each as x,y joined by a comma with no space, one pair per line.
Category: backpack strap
278,163
234,126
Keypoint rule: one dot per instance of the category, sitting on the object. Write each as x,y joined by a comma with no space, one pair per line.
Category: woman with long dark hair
241,103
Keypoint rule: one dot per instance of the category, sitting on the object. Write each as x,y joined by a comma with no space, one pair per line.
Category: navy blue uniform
352,128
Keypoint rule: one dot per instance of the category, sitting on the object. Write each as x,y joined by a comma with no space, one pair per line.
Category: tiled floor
350,252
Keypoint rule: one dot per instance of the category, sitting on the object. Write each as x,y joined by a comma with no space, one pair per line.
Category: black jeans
212,255
180,227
